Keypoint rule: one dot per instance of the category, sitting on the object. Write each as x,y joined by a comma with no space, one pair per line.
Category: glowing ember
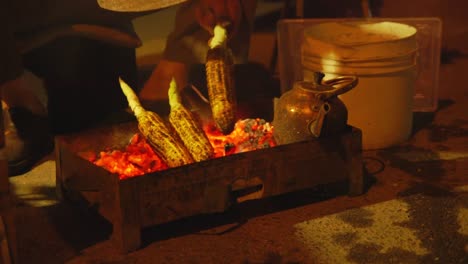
248,135
138,158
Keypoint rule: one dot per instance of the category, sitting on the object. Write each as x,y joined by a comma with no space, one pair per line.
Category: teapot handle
340,84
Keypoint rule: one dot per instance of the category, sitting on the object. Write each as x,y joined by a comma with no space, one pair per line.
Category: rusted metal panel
204,187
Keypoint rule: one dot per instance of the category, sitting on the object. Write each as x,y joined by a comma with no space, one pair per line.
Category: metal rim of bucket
357,60
360,73
365,64
367,67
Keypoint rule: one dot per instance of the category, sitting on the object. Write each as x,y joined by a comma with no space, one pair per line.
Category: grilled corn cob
188,127
168,146
220,82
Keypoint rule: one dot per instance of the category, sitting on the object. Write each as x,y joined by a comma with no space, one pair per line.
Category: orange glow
248,135
138,158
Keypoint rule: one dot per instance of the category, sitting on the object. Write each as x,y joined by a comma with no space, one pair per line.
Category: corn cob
220,81
188,127
164,142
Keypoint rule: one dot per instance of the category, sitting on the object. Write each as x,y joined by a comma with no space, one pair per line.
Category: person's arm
188,42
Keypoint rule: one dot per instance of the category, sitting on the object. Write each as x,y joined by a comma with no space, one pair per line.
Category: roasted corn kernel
163,140
188,127
220,82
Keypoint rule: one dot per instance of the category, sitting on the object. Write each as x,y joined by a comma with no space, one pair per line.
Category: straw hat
136,5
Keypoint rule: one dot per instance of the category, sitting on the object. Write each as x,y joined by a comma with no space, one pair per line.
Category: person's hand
157,84
209,13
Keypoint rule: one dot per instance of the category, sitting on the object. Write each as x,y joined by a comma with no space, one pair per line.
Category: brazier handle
243,189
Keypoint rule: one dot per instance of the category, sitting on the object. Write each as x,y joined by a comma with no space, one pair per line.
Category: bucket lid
137,5
359,40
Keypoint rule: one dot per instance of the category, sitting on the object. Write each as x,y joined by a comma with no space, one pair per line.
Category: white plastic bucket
383,56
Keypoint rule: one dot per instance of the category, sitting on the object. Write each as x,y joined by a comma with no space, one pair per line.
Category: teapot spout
315,127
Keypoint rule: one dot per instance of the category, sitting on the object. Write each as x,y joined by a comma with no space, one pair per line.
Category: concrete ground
414,209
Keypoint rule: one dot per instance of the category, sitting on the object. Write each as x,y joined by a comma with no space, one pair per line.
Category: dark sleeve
188,42
10,58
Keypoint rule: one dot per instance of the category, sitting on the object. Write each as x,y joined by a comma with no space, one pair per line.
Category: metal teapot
311,109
